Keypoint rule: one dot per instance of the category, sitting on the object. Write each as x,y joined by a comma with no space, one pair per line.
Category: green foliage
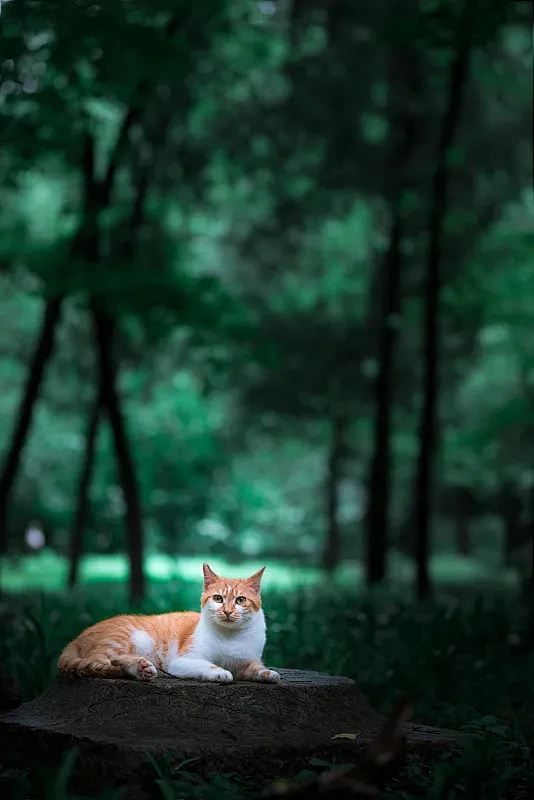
249,214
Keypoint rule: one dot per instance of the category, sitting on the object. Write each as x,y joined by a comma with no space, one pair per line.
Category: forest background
267,296
267,287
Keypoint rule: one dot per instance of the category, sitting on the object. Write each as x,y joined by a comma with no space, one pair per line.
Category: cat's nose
228,613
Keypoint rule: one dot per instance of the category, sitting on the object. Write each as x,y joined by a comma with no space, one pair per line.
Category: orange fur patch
106,648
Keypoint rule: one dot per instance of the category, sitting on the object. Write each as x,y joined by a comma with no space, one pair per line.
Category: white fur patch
168,655
143,643
231,647
198,669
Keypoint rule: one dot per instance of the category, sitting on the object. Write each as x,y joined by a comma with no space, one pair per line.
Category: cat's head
230,602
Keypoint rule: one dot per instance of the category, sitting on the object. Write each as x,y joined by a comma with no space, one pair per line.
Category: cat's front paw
219,674
266,676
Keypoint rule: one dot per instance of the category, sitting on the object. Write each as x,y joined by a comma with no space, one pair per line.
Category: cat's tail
70,665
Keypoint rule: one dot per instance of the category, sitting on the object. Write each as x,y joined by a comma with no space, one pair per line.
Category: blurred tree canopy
217,226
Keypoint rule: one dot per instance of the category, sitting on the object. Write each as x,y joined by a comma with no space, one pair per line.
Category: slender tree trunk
379,482
509,508
104,334
82,506
428,430
43,351
511,537
404,127
463,538
336,458
98,197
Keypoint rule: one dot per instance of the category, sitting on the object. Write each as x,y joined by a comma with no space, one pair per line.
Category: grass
464,662
48,571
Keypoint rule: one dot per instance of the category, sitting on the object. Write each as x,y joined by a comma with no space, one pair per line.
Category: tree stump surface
240,726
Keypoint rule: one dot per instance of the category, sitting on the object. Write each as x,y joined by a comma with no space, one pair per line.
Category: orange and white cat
222,642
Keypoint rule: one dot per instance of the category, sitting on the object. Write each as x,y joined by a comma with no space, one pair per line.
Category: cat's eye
218,598
240,600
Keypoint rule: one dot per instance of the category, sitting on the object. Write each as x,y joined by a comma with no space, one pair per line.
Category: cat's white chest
230,651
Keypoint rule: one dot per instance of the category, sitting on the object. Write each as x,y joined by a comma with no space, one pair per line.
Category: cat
223,641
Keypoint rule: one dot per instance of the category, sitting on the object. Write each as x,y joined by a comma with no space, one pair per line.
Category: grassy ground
463,661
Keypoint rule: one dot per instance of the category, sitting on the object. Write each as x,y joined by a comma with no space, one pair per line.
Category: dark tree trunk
379,483
511,535
336,459
97,199
510,509
82,506
428,431
459,505
104,334
30,395
404,124
463,537
404,540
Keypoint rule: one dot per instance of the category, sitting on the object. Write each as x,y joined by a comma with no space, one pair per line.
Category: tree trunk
428,433
38,364
379,483
336,458
97,199
531,537
509,508
404,126
82,507
463,538
104,334
512,537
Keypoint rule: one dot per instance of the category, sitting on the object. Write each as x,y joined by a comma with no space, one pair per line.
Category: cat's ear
255,580
209,576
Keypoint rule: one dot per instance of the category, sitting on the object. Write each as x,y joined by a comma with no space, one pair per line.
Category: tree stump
249,727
